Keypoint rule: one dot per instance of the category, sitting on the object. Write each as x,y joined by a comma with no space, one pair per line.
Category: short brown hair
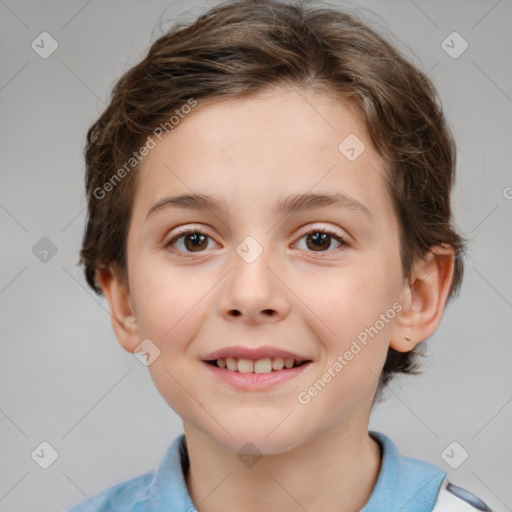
245,48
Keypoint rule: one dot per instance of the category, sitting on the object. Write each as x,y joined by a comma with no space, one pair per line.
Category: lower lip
256,381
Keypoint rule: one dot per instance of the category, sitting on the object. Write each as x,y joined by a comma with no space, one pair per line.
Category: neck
335,471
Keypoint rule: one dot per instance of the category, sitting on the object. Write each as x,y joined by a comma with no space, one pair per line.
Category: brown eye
320,240
188,242
195,241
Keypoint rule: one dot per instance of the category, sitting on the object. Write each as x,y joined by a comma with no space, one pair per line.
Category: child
269,219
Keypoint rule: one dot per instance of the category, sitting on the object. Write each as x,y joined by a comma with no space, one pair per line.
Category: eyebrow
293,203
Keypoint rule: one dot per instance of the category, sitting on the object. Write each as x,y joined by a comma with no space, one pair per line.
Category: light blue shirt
404,483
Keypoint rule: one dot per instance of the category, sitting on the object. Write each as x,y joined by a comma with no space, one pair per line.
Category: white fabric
448,502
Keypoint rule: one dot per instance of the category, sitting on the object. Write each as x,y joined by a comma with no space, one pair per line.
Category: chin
256,440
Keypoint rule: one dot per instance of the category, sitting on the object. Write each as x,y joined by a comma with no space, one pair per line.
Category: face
308,280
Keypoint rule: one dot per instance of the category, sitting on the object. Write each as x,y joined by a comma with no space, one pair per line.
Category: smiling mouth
265,365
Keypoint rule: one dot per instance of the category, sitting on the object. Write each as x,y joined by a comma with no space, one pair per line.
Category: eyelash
191,231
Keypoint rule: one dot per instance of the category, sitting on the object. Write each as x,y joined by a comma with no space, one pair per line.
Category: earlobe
424,298
122,315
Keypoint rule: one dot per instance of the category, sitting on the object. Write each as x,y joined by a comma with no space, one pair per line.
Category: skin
250,153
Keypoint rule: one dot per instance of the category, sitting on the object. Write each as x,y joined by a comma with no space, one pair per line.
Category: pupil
195,237
319,237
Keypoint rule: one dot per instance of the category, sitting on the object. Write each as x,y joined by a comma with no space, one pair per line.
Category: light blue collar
404,484
169,489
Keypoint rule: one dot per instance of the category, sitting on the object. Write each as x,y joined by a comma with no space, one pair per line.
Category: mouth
255,369
259,375
259,366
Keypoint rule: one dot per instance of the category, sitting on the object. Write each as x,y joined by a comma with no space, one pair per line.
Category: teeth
277,363
232,364
245,366
265,365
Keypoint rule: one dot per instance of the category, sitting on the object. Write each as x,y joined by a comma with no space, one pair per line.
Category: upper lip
240,352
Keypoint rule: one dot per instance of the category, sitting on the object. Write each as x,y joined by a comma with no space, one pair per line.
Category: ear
122,316
424,298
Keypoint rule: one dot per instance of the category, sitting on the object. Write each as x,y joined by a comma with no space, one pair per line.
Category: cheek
351,298
169,308
166,303
354,309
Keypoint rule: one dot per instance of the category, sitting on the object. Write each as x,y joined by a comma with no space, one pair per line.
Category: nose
254,292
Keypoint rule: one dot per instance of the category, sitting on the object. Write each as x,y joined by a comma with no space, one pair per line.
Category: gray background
65,379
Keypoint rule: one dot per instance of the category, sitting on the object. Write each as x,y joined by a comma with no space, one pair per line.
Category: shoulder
404,483
127,496
164,489
452,498
409,485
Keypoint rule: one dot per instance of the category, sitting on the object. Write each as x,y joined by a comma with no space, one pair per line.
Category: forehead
254,151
